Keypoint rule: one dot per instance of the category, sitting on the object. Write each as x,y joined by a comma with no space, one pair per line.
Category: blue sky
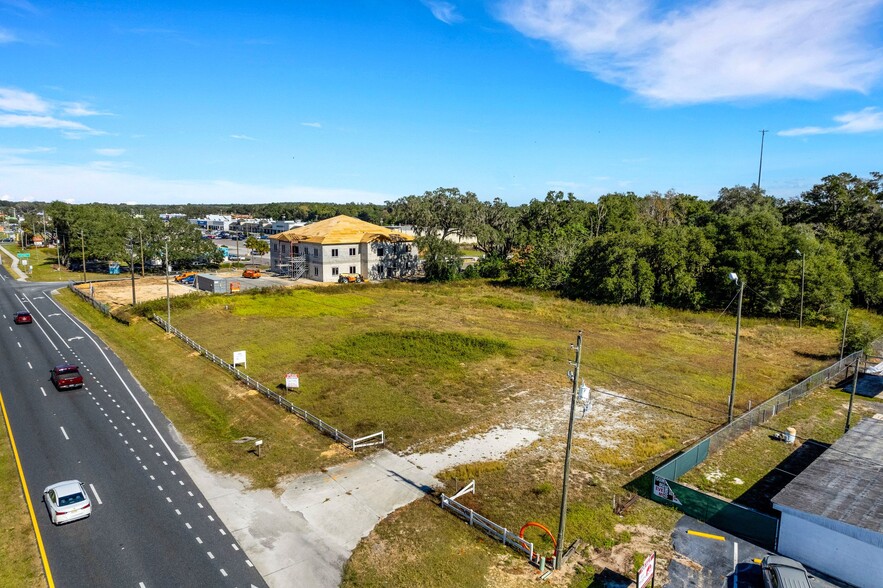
372,100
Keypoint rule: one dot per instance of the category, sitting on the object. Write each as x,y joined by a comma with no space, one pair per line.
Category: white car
67,501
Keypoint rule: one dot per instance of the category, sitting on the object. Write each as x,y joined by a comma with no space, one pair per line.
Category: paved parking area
708,563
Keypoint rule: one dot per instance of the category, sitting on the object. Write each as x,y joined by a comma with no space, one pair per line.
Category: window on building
334,253
296,250
380,270
407,249
315,271
380,252
334,271
352,250
352,269
315,251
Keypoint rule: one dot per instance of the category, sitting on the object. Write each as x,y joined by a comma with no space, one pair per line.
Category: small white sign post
292,381
647,573
239,357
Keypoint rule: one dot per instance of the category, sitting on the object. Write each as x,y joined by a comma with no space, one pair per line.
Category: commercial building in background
327,250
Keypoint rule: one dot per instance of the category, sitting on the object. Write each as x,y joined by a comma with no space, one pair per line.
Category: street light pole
83,249
563,517
733,276
132,267
802,282
168,295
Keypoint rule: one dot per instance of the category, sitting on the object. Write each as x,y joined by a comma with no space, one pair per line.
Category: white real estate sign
292,381
239,357
647,571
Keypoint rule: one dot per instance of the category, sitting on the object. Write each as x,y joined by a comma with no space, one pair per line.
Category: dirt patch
118,293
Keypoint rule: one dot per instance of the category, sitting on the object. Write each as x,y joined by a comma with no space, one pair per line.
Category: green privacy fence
754,526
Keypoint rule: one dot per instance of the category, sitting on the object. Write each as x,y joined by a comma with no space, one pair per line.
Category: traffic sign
23,255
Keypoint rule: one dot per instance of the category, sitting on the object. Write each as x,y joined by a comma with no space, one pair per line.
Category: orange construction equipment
183,276
251,273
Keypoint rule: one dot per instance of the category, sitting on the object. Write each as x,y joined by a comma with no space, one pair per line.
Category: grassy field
430,364
19,560
820,416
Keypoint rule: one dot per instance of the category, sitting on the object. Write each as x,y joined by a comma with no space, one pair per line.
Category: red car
66,376
23,318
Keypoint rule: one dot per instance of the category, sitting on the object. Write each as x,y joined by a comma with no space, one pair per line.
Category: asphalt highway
150,524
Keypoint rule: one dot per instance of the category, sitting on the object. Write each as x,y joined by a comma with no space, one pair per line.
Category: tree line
671,249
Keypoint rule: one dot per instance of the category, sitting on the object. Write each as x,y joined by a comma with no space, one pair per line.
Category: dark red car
23,318
66,376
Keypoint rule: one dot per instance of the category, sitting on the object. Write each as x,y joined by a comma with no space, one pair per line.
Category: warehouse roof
341,229
846,482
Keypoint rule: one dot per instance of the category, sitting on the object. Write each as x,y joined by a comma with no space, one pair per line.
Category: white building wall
853,560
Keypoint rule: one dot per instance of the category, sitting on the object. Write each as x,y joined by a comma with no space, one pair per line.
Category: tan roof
341,230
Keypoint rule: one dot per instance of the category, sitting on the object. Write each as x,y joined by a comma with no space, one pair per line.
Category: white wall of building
855,557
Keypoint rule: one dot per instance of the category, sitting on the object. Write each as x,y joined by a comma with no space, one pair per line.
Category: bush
859,336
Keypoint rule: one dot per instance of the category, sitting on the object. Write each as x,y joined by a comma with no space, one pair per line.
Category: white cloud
867,120
443,11
80,109
101,183
110,152
12,100
312,124
7,37
707,51
243,137
42,122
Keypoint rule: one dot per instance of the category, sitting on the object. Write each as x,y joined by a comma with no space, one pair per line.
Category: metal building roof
846,482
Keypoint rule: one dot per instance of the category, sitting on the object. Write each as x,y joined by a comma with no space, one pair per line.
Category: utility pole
141,240
802,283
83,249
763,133
563,518
852,393
735,350
132,267
168,295
843,340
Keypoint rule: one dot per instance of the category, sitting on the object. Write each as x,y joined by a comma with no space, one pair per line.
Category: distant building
832,513
326,249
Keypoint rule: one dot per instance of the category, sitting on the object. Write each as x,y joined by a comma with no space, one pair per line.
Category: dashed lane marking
95,493
63,432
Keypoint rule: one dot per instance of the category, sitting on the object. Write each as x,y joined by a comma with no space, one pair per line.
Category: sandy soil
119,293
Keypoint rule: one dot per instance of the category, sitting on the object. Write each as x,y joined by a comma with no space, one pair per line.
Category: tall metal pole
563,518
168,295
83,249
141,239
852,394
763,133
132,267
802,282
735,354
843,340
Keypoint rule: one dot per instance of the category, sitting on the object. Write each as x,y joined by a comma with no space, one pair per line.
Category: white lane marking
30,366
223,573
211,518
251,565
159,488
188,525
199,504
181,482
210,555
95,494
126,386
189,493
198,540
141,585
169,500
223,532
42,390
19,344
234,546
177,512
40,325
63,432
152,478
